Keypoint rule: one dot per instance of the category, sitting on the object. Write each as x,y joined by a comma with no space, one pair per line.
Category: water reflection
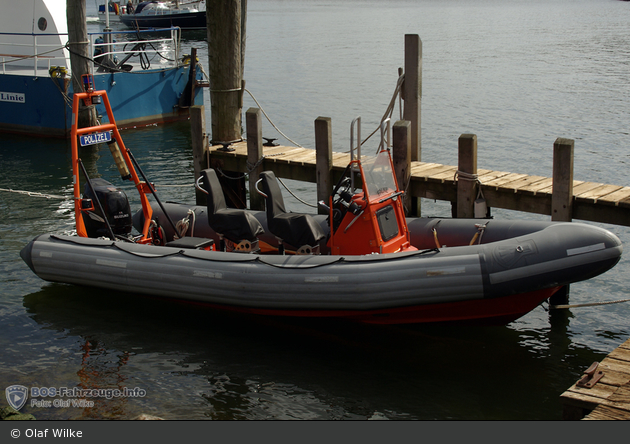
205,364
101,371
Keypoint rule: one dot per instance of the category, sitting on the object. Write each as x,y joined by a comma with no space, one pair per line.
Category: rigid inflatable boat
363,260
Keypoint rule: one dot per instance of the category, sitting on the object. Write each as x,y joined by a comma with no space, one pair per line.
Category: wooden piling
199,142
243,42
413,92
467,176
562,191
78,43
412,97
324,159
225,61
254,156
401,157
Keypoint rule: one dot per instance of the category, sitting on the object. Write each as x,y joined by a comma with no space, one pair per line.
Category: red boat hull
490,311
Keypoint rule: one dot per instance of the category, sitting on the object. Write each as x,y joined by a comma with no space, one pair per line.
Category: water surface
518,74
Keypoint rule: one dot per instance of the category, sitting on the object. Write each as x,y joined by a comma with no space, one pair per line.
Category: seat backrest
216,199
274,201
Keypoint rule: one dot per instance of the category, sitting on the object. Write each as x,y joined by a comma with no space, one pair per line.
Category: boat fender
186,59
58,72
480,206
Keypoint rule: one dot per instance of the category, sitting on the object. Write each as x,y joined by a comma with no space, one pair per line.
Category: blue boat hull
184,20
36,105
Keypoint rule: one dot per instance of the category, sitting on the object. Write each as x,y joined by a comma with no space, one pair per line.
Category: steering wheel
342,189
339,202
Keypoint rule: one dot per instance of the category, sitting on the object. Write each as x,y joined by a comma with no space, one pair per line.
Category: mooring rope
390,108
34,194
270,121
591,304
293,194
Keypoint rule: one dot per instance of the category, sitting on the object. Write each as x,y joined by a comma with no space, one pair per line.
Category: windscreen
378,175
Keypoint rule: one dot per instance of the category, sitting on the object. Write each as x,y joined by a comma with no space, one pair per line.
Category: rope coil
465,176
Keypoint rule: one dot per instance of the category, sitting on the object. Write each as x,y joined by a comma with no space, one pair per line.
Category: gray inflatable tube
515,266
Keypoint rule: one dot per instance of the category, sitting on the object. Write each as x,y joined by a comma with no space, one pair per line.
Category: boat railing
27,53
139,47
385,135
36,52
355,148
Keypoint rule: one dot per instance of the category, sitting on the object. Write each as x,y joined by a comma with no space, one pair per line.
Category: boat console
366,209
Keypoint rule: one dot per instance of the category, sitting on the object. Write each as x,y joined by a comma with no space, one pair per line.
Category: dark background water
518,74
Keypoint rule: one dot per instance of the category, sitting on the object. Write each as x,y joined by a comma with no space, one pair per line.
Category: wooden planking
619,197
342,159
606,413
609,398
444,175
290,154
592,201
274,151
598,192
538,187
307,156
504,181
432,172
424,170
580,187
490,176
527,183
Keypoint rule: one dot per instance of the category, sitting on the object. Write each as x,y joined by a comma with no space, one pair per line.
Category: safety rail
12,54
164,50
38,53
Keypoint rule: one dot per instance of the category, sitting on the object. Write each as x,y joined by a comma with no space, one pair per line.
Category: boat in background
115,11
146,77
154,14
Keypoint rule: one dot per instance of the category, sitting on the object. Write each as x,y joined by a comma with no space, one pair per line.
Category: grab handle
258,189
199,187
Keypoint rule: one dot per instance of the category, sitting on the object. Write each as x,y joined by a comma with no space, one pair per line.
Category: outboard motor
115,204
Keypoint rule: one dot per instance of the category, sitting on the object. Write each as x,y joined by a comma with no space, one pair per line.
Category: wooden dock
559,196
582,200
608,398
